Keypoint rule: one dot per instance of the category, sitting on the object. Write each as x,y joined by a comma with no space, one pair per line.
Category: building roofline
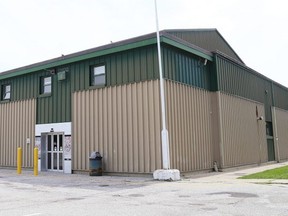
250,70
206,30
123,45
189,30
230,47
186,45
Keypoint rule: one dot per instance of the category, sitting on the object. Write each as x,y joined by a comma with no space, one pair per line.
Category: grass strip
278,173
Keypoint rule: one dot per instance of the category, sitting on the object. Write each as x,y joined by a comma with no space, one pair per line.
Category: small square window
46,85
6,92
98,76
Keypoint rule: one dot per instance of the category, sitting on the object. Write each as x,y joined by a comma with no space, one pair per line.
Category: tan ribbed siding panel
243,137
282,132
122,123
189,126
17,123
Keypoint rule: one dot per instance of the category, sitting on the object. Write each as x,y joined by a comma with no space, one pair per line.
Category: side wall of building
238,80
17,124
242,136
189,123
123,123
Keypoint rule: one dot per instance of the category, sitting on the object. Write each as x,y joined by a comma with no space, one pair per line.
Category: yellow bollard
19,160
35,161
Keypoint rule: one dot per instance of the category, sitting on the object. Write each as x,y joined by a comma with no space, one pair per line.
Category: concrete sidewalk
60,179
211,194
84,181
234,174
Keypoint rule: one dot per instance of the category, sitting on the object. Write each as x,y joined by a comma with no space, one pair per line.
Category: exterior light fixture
205,62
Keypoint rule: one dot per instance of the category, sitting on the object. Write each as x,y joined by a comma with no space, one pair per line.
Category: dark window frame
5,92
43,85
96,77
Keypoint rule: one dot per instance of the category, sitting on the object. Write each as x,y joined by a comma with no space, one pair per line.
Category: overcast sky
37,30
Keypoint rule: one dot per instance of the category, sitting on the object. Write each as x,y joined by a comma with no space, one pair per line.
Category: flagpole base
166,175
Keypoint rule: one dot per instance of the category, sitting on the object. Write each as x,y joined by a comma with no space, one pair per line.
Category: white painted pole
164,133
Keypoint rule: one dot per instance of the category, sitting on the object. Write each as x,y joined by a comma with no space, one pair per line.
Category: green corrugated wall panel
280,96
268,99
185,67
111,75
121,68
124,68
57,107
44,110
130,65
214,74
143,64
137,66
238,80
24,87
151,66
81,77
86,69
52,108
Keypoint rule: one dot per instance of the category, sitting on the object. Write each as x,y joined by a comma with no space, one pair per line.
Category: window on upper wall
46,85
98,77
6,92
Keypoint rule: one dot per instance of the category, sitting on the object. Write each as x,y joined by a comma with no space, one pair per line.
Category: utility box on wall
61,75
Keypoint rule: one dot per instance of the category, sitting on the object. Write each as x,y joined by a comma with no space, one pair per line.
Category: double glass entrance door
55,151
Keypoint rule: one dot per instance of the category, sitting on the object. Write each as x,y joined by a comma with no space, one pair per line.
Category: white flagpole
164,133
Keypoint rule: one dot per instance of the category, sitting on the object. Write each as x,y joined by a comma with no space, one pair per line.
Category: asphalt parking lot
205,194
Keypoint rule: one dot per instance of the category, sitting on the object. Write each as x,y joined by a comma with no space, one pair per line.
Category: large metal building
107,99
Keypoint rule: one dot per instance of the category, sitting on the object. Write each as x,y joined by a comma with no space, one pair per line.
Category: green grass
278,173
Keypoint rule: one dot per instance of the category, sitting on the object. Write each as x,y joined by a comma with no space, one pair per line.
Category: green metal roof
132,43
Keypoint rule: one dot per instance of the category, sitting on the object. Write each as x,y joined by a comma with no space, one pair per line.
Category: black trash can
95,164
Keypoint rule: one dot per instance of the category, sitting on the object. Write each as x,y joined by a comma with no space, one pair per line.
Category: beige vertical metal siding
189,126
243,136
282,132
17,123
217,129
122,123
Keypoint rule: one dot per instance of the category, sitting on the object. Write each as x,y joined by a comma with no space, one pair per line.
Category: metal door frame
45,154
